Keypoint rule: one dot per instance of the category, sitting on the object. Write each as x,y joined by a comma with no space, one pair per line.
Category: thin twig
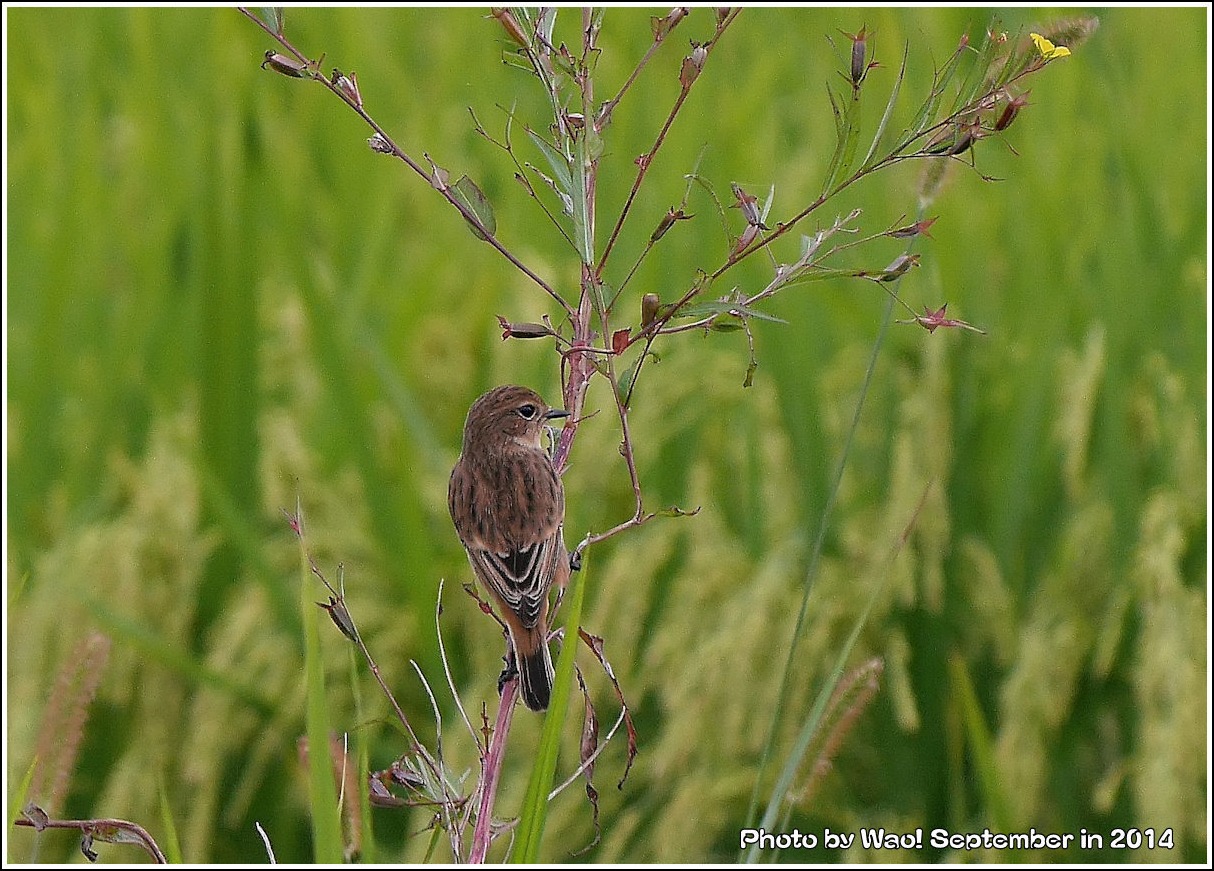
397,152
454,832
577,772
519,168
108,830
604,116
442,655
647,161
354,635
894,157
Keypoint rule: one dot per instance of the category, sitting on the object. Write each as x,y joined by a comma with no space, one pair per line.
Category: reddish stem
491,770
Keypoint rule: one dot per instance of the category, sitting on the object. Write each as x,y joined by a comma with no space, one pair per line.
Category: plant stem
491,770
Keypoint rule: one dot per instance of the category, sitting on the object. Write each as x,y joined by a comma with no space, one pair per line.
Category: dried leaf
589,745
36,815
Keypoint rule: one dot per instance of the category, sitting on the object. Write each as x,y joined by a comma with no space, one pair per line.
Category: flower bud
744,241
859,57
662,26
341,617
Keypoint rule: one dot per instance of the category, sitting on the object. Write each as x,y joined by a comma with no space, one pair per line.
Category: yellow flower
1048,50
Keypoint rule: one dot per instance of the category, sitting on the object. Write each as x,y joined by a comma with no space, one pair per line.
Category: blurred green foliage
220,301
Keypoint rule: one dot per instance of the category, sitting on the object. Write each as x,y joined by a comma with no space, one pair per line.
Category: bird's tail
535,674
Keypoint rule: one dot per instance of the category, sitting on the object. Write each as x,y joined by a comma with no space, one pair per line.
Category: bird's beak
555,412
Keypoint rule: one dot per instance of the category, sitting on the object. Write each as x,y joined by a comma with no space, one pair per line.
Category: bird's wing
521,577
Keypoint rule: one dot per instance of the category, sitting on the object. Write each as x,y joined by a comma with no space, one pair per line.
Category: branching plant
607,328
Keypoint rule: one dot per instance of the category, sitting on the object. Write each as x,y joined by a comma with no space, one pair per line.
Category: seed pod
910,231
341,617
510,24
523,330
287,66
650,303
901,265
859,49
749,204
1010,111
692,64
348,85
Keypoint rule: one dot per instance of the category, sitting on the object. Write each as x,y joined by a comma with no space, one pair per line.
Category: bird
508,507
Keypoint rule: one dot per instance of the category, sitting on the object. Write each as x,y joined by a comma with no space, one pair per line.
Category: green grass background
221,301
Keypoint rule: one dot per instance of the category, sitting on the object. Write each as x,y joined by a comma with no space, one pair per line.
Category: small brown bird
508,507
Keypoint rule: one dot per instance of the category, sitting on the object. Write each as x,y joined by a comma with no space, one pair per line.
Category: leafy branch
592,338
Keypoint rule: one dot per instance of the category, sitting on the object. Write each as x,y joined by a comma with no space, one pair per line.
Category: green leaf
594,143
723,307
926,115
583,219
16,801
169,842
749,380
889,108
273,17
977,81
566,200
847,134
466,191
515,58
624,382
362,748
1012,64
561,167
779,792
675,511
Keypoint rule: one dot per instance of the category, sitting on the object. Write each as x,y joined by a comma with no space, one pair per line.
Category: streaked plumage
508,507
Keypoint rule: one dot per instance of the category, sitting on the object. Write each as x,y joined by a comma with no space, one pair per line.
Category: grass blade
889,109
535,804
169,841
982,751
811,574
322,792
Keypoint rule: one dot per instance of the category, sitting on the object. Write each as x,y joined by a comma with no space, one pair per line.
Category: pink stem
491,771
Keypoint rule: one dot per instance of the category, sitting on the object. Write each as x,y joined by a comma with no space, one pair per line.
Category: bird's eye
527,412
